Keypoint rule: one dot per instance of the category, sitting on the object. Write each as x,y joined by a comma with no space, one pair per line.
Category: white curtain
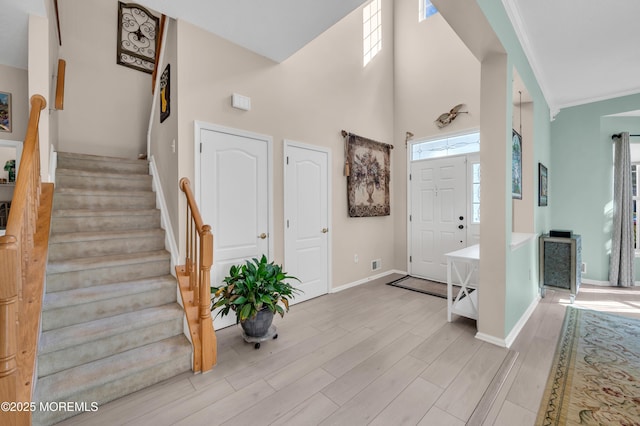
621,271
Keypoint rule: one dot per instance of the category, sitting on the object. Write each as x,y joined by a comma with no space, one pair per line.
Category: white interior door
234,200
438,214
306,212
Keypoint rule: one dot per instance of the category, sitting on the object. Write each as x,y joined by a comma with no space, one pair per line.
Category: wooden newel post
209,356
9,279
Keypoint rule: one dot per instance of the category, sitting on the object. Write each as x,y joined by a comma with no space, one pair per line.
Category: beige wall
40,81
107,106
164,134
309,98
495,208
434,71
15,81
53,72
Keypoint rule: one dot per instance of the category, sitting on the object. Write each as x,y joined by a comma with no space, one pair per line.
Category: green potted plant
255,291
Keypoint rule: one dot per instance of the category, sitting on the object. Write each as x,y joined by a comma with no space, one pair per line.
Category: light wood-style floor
373,354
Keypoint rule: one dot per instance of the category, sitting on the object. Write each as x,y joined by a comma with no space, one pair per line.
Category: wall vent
376,264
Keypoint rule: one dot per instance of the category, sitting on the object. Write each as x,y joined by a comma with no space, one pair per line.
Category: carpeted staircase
110,321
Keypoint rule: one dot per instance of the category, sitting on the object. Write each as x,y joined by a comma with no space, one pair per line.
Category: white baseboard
597,282
511,337
165,222
602,283
491,339
365,280
53,164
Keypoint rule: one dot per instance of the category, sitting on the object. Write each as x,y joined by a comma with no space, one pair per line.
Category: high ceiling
580,50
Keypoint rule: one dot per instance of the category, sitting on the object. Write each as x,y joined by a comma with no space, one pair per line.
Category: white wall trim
511,7
53,164
598,282
287,144
165,221
511,337
491,339
365,280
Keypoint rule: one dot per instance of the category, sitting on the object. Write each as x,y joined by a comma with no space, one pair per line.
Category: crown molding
513,12
592,99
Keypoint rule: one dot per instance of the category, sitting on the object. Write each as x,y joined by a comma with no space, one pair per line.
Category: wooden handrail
194,278
154,74
62,66
19,256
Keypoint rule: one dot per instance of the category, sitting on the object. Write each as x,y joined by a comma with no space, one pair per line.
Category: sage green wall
521,285
581,176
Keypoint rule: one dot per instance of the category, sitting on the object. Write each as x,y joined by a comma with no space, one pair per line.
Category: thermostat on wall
241,102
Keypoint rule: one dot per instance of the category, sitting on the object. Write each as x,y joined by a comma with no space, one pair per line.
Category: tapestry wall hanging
368,173
137,29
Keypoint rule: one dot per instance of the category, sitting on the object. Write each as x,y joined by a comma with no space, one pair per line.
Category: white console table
466,302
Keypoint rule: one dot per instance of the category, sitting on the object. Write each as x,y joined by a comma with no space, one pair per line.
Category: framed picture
516,166
368,181
5,112
165,93
543,180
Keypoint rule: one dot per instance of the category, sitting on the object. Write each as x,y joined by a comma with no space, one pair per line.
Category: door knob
325,230
262,236
460,226
461,217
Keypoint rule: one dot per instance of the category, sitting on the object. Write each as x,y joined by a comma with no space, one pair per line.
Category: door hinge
200,147
287,159
410,259
410,218
410,177
287,223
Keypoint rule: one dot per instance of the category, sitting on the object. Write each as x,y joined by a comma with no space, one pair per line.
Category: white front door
234,200
306,212
438,214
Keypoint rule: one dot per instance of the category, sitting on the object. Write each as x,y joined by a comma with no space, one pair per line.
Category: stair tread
87,263
101,212
87,332
67,237
104,192
92,157
101,174
80,296
97,373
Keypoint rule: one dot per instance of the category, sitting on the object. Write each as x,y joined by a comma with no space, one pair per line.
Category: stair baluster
194,278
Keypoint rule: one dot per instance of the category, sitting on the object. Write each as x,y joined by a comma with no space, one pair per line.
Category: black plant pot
258,326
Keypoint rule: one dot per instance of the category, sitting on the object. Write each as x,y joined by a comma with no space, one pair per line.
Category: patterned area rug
424,286
595,376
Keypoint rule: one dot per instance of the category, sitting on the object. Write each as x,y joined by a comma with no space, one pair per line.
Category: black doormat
431,288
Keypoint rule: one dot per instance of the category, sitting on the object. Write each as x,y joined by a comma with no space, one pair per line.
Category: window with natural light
371,30
475,196
425,9
462,144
